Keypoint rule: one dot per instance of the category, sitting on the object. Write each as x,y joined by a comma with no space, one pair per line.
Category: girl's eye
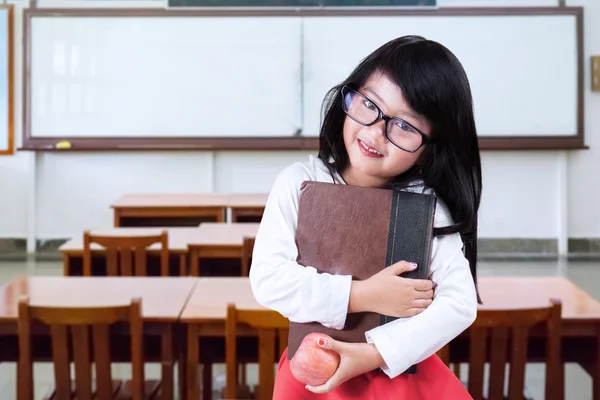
404,126
369,105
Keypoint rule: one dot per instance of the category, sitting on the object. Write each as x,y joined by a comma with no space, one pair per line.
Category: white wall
584,167
15,170
50,195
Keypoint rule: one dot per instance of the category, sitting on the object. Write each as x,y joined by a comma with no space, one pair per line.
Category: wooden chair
266,323
247,248
126,255
74,343
444,355
508,331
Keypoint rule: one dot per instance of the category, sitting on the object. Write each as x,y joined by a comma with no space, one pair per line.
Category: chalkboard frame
298,3
288,143
9,127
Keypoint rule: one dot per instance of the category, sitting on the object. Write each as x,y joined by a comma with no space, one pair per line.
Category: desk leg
182,265
206,381
117,218
167,362
194,256
193,359
66,265
596,368
181,346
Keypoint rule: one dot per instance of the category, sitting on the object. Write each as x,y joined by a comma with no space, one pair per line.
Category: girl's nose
377,131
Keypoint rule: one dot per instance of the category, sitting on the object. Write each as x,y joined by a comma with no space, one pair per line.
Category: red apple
312,364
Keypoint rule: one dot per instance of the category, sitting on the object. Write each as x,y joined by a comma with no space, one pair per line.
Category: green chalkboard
298,3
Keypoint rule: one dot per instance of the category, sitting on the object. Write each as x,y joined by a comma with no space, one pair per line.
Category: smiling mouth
369,149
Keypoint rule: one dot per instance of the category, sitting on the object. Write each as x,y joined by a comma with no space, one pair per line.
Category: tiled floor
578,384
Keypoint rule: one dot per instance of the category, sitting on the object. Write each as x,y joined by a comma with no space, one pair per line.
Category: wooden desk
580,318
163,300
578,308
247,207
209,240
186,209
580,312
222,241
179,237
205,314
181,209
207,304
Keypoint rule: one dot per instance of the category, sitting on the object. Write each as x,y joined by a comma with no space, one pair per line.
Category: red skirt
433,381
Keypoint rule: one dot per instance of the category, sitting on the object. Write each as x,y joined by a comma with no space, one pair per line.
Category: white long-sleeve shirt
301,294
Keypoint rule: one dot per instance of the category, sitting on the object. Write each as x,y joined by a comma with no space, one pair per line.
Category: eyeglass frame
386,118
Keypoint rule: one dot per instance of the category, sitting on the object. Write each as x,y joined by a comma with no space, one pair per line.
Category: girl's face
374,160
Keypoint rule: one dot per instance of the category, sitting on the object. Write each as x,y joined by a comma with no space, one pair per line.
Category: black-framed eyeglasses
399,132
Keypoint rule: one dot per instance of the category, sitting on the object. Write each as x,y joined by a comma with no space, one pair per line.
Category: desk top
520,292
163,298
179,237
184,200
209,299
207,234
247,200
219,234
210,296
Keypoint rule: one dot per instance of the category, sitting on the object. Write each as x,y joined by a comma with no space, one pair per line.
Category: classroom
154,196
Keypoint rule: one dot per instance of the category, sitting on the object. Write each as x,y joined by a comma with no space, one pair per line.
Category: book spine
409,237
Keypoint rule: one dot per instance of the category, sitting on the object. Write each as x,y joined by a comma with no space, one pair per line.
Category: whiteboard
523,70
164,76
5,93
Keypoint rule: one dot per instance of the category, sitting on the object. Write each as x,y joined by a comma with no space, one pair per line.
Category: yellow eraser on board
63,145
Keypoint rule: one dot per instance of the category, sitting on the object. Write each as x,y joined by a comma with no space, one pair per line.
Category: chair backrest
71,329
126,255
247,248
507,332
266,323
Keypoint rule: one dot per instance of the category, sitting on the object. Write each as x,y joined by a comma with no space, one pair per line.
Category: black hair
434,85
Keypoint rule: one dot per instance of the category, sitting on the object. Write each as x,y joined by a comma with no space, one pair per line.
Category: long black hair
434,85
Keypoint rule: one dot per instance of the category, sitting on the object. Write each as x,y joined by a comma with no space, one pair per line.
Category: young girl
403,119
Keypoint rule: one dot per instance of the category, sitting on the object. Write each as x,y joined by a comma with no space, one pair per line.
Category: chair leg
243,379
207,380
456,369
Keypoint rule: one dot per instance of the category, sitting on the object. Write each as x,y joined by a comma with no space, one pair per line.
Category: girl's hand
355,359
389,294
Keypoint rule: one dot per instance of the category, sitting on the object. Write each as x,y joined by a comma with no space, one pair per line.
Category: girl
403,119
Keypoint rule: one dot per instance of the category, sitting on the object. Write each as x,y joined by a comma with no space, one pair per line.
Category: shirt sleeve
278,282
408,341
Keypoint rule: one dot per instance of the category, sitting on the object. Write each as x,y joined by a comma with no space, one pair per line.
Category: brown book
358,231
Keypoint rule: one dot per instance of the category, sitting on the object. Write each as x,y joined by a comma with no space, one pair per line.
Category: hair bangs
427,74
